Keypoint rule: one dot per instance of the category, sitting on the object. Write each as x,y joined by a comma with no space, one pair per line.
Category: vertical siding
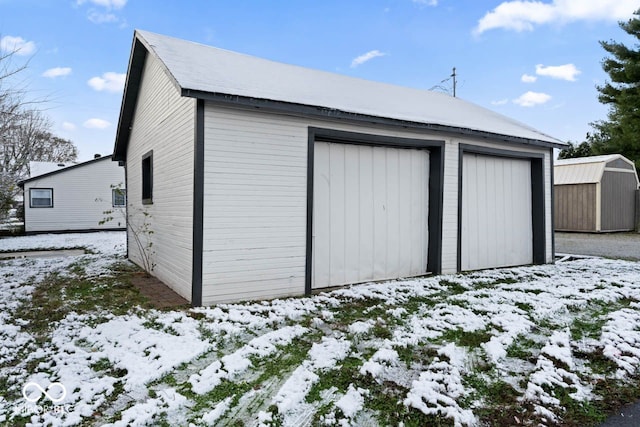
370,213
618,201
575,207
81,195
164,122
496,216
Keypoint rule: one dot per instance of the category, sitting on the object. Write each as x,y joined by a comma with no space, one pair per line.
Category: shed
261,179
75,198
595,194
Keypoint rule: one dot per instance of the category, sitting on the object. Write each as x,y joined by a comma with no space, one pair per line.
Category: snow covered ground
534,342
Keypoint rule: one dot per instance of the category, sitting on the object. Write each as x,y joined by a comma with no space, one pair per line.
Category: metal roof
207,72
584,170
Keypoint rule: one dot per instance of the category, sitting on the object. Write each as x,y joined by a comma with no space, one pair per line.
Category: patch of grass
463,338
496,400
420,304
587,327
348,372
578,413
524,306
421,354
453,288
524,348
358,310
56,296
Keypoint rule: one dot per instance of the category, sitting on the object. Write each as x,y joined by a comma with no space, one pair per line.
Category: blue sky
535,61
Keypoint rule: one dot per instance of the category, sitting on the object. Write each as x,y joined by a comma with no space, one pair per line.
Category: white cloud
500,102
366,57
68,126
427,2
101,18
96,124
18,45
524,15
562,72
57,72
109,4
530,99
526,78
111,82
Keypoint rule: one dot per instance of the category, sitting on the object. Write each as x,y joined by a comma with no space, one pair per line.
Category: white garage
370,213
259,188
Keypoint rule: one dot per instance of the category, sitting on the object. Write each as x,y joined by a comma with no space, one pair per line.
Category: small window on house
119,197
41,197
147,178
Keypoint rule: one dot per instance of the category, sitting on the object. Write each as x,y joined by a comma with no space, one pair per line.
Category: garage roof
585,170
207,72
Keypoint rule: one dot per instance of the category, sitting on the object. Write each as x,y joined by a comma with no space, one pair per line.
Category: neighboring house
75,198
260,179
595,194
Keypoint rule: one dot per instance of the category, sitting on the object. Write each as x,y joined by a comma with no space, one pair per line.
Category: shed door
497,228
370,212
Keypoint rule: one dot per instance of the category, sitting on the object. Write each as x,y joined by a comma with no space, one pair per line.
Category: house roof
585,170
211,73
64,169
40,168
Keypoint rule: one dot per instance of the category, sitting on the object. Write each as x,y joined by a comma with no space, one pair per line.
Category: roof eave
129,98
324,112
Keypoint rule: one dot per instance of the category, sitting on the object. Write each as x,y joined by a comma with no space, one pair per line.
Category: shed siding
163,122
620,164
575,207
618,201
81,195
255,190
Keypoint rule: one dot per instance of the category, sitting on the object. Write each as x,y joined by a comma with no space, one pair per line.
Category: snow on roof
40,168
201,68
590,159
584,170
60,167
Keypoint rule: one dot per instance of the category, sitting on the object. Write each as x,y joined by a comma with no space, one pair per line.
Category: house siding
255,195
163,122
81,196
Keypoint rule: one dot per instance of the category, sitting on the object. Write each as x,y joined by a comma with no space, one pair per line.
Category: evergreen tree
576,150
620,133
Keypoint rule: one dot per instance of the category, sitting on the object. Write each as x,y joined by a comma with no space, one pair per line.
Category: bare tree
24,134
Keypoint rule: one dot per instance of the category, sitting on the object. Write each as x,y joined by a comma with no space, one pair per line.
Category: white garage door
496,212
370,212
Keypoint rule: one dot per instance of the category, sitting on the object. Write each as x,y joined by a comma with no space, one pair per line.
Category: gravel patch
610,245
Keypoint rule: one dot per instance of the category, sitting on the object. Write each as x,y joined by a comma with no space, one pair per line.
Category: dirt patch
160,295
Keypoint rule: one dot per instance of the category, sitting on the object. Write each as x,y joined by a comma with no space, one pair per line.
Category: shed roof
585,170
207,72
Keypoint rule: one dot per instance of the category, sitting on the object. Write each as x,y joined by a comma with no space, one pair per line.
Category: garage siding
163,122
255,196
